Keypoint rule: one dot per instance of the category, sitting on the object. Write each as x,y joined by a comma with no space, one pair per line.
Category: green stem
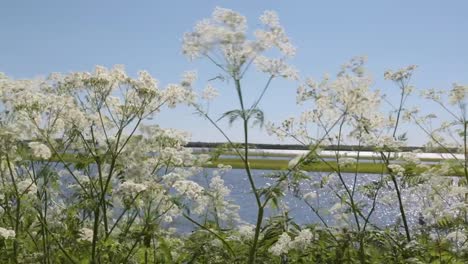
17,211
95,234
211,232
394,180
260,208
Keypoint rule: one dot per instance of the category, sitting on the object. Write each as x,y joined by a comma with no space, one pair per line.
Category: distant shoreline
363,155
329,147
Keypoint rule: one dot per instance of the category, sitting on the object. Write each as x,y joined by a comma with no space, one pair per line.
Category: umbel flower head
224,35
40,150
7,233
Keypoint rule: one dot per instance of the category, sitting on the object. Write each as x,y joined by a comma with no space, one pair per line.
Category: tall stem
258,225
95,234
392,175
17,211
465,146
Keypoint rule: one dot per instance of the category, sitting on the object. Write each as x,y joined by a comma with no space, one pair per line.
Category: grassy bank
275,164
363,167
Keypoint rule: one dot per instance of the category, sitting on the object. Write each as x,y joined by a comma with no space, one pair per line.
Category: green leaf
232,116
258,116
165,249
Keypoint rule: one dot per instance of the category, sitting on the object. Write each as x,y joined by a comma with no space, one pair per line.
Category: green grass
362,167
275,164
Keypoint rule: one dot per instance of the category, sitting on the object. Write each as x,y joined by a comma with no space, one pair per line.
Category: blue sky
40,37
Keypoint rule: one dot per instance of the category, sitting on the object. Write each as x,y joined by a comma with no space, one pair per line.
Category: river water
384,215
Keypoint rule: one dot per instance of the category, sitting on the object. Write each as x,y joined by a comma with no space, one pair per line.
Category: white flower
281,246
458,94
7,233
86,234
40,150
458,237
397,169
276,67
188,78
176,94
131,188
401,74
217,187
232,19
270,18
225,34
209,93
27,186
224,28
294,162
193,192
310,196
167,219
410,157
147,82
284,243
302,240
431,94
246,232
224,167
189,188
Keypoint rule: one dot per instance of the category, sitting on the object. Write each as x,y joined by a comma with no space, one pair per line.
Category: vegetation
330,166
87,177
433,149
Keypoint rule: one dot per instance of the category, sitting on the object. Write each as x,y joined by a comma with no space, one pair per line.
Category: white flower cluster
401,74
432,94
225,34
178,157
441,198
225,210
40,150
458,94
276,67
86,234
459,238
302,240
349,95
275,34
27,186
218,188
293,162
397,169
310,196
281,246
284,243
104,99
158,137
284,130
246,232
194,193
383,141
131,188
410,157
225,28
209,93
177,94
7,233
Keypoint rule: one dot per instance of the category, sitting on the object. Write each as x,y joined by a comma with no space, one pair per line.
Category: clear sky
40,37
